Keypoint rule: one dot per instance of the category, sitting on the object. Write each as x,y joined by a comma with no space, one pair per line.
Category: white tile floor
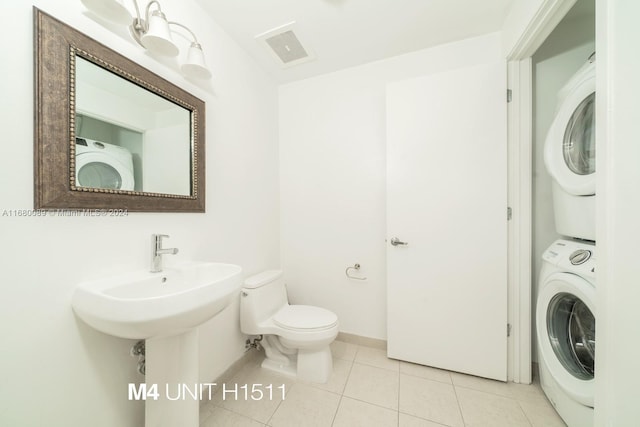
368,389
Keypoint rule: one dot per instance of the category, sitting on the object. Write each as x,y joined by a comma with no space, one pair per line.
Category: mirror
143,140
109,133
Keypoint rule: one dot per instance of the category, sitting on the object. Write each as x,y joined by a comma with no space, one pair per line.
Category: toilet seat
305,317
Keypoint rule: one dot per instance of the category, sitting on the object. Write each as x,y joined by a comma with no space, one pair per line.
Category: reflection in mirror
128,138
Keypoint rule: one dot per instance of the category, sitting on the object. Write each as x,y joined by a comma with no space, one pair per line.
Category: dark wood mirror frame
56,46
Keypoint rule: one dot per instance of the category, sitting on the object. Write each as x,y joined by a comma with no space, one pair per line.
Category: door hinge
508,329
509,95
509,213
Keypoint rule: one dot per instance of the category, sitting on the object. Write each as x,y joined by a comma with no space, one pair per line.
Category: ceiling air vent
285,46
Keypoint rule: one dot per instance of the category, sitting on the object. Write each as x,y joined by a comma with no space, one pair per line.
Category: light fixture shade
111,10
158,38
195,66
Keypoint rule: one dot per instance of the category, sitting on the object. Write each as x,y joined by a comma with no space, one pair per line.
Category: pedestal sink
164,309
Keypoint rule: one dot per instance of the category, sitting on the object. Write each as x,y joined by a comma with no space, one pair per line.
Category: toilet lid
304,317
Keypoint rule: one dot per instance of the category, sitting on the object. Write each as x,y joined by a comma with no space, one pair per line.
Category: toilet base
314,365
276,366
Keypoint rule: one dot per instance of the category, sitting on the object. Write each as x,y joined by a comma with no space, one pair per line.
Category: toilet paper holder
356,267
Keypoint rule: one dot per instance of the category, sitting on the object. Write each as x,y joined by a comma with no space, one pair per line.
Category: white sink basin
143,305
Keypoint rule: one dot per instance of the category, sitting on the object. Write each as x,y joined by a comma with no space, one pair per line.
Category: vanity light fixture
153,32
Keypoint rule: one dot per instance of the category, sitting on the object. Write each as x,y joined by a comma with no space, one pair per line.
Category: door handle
396,242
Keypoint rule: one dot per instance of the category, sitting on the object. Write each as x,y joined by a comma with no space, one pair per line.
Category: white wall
332,166
55,370
562,54
618,273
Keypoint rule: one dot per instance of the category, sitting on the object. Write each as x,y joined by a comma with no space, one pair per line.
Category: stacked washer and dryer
565,312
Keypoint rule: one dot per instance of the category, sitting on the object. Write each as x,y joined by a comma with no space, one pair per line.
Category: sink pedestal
172,368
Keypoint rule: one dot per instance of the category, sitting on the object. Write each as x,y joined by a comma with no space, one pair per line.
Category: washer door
565,326
570,147
97,170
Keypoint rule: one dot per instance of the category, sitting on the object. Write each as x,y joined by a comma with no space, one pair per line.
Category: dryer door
570,147
96,170
565,326
578,144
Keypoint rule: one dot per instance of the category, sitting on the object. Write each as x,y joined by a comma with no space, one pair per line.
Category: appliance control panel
572,256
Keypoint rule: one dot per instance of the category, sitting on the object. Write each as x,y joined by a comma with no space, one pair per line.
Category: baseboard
364,341
248,356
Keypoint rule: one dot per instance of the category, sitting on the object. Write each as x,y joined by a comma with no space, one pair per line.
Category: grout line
422,418
280,403
399,387
487,392
455,392
525,414
238,413
355,355
364,401
347,380
344,387
371,403
234,380
428,379
506,384
333,420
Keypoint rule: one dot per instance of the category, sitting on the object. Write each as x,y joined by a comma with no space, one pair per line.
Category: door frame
520,180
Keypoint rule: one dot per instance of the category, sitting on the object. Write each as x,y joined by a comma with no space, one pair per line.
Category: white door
447,199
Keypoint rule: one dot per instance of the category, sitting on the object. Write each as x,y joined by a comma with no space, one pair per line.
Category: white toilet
296,337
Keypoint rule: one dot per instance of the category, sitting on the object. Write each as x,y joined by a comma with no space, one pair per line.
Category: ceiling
345,33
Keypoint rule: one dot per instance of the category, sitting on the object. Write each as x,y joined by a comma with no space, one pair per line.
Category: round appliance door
97,170
565,326
570,147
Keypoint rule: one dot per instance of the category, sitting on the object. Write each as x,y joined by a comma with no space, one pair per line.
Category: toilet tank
261,297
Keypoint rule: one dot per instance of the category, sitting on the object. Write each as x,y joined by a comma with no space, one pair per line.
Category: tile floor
368,389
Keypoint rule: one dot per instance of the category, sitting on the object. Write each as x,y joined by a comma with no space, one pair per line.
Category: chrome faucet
157,251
